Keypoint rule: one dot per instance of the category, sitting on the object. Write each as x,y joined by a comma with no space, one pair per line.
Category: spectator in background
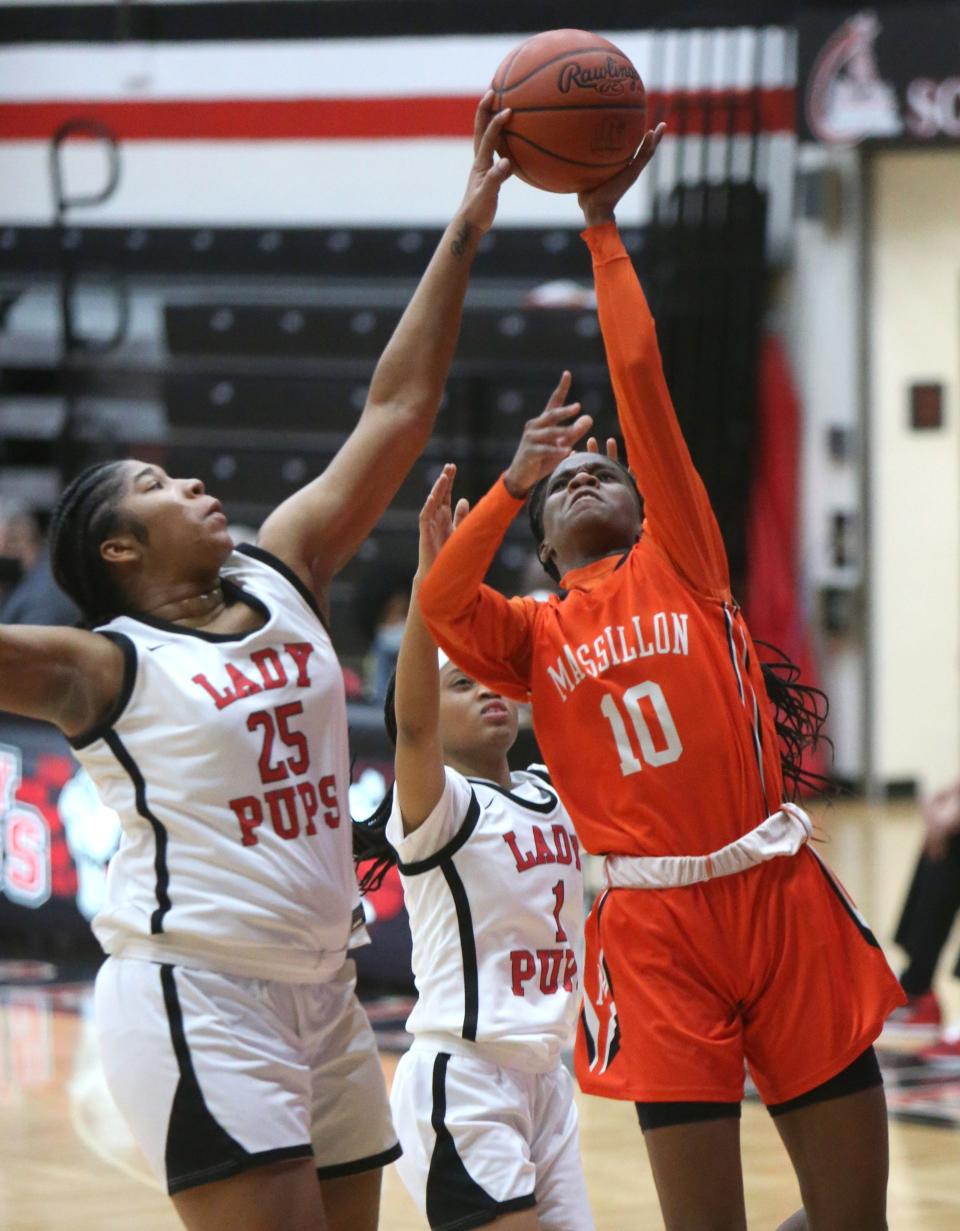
32,596
933,901
380,609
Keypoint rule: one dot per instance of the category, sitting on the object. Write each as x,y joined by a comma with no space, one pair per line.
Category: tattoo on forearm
459,245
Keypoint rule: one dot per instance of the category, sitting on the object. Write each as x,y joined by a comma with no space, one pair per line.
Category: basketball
579,110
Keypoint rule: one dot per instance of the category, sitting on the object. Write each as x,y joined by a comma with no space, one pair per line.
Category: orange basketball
579,110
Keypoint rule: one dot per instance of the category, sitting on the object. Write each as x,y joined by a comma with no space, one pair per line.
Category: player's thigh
352,1202
562,1201
466,1127
698,1175
283,1195
206,1069
839,1150
351,1127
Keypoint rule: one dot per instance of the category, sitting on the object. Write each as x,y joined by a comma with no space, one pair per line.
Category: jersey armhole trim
285,571
449,849
129,650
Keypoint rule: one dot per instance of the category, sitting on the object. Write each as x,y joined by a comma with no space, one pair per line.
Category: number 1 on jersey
671,747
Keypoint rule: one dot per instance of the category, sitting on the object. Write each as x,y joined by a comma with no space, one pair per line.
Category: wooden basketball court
66,1159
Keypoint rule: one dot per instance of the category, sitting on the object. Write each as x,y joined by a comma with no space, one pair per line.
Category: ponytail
800,711
370,843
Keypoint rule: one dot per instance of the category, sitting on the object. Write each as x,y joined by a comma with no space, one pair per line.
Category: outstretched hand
546,441
479,205
599,203
437,519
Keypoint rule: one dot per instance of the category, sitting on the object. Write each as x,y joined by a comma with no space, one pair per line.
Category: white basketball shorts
480,1141
216,1074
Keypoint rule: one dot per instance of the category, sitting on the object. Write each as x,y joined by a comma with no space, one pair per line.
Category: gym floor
66,1158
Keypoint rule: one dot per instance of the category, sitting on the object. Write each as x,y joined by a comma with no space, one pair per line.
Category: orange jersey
648,700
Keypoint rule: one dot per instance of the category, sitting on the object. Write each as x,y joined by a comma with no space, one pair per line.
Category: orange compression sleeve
487,635
678,513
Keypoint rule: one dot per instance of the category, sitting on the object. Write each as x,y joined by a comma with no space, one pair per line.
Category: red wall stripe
238,119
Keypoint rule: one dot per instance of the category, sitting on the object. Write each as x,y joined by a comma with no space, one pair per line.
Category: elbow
409,418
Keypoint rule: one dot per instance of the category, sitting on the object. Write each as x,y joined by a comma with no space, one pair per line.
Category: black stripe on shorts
455,1201
199,1150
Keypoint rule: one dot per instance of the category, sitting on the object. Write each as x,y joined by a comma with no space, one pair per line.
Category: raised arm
61,675
418,763
678,513
487,635
318,529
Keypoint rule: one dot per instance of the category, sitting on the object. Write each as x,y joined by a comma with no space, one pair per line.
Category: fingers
559,395
488,140
613,450
648,146
482,117
440,492
460,512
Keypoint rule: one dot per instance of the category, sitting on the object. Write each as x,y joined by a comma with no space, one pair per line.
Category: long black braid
86,514
800,711
370,843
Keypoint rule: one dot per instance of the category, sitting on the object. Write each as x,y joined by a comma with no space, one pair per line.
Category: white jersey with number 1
494,889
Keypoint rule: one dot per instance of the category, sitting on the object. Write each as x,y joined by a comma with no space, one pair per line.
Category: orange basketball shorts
774,966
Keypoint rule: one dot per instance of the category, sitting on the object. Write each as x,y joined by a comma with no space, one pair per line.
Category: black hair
370,843
538,498
86,514
800,712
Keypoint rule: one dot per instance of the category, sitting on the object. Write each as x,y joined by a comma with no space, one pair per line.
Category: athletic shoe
921,1014
947,1051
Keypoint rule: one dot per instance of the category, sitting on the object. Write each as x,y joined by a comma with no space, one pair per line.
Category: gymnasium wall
914,305
819,312
327,131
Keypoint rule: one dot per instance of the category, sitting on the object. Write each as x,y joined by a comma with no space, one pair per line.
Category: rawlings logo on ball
608,78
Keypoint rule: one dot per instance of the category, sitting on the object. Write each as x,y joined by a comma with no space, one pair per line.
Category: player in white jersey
207,705
491,875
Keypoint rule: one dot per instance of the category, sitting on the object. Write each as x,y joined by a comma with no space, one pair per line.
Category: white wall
820,320
915,504
396,171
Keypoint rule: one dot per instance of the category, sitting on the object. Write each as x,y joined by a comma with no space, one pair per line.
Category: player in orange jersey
721,936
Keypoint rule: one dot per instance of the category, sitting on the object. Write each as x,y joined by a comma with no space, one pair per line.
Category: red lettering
575,843
300,763
243,685
283,799
249,815
559,891
523,860
561,840
300,652
271,668
268,772
220,699
569,971
549,970
522,967
544,853
328,797
308,797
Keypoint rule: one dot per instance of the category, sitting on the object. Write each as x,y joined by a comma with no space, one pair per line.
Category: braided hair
538,498
800,712
370,843
86,514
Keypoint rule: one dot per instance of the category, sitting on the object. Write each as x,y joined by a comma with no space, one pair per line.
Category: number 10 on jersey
655,748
